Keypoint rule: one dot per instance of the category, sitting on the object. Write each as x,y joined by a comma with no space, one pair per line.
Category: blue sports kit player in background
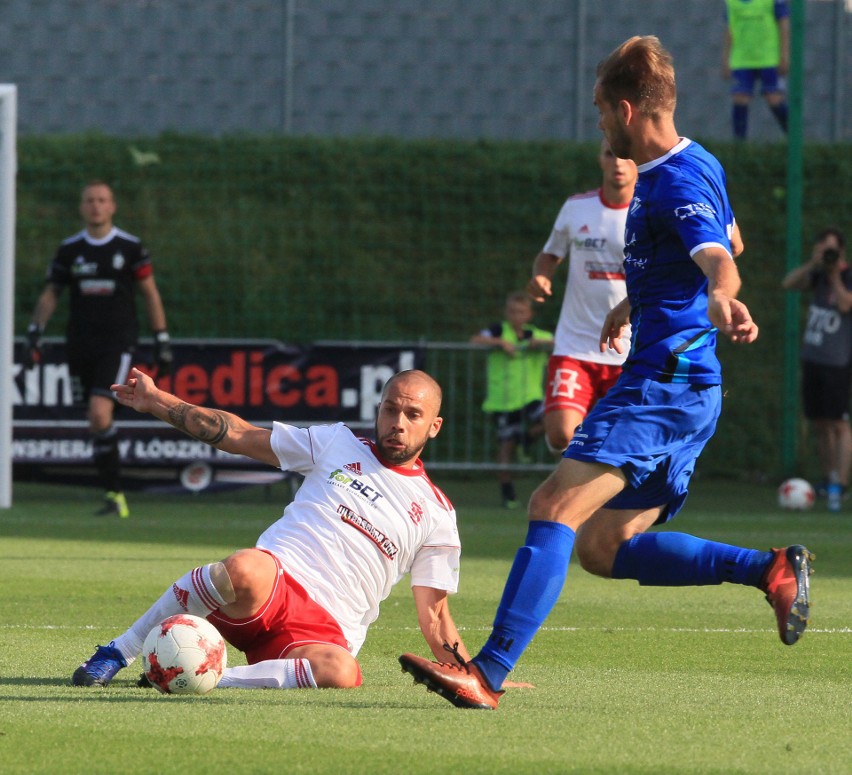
629,464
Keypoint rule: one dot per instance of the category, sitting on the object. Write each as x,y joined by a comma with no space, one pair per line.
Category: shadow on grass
33,681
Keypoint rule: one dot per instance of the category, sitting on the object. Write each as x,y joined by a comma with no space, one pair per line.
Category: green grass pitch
627,679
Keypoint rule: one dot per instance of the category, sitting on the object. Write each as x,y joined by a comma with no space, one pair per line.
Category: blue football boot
100,668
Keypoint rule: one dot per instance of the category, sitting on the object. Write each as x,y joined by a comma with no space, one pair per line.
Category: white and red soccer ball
184,654
796,495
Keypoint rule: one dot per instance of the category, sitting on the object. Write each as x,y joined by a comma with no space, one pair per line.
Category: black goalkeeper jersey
101,277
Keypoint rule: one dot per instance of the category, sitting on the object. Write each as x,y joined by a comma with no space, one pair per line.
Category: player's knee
334,668
99,422
250,573
596,550
557,440
541,501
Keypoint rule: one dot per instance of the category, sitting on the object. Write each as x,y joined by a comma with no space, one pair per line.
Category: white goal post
8,174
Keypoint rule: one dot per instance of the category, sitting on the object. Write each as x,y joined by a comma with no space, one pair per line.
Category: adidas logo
584,230
181,595
355,468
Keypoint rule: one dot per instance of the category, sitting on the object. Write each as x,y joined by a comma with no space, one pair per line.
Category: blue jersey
680,206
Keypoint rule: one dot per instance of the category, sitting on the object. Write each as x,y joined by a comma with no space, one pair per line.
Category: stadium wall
495,69
412,241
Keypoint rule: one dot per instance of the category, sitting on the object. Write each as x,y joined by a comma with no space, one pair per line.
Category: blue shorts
652,431
744,80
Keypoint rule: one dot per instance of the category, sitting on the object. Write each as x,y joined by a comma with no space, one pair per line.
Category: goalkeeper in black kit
103,267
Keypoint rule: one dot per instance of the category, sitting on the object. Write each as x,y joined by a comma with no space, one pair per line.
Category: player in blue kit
628,465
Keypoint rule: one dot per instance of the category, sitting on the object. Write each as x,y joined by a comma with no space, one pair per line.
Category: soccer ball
796,495
184,654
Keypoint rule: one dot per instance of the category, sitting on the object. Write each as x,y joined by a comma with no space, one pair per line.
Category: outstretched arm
219,429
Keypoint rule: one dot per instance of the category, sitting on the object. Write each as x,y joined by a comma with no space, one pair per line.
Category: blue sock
780,113
531,591
680,560
740,120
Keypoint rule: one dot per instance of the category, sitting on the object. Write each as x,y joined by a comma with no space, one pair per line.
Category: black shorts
825,391
512,426
95,374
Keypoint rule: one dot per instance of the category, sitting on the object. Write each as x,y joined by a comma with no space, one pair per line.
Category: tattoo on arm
205,425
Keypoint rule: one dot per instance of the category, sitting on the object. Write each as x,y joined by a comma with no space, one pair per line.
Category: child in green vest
757,48
515,383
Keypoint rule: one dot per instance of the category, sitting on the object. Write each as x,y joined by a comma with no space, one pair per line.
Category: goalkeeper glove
32,356
163,356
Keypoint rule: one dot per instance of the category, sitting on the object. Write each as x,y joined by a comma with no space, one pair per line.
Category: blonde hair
641,72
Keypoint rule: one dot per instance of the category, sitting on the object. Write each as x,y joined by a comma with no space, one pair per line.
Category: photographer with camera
826,357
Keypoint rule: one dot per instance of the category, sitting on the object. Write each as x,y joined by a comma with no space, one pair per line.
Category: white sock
270,674
193,593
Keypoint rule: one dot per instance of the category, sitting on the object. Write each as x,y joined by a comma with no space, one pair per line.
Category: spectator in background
756,48
102,266
515,384
590,230
827,357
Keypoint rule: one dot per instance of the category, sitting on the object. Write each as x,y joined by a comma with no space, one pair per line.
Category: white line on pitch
723,630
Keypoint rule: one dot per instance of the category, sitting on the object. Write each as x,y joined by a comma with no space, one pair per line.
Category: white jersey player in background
300,602
590,230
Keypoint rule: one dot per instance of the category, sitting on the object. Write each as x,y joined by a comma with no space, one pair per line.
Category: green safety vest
755,42
515,382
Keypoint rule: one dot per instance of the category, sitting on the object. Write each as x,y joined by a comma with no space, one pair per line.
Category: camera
830,256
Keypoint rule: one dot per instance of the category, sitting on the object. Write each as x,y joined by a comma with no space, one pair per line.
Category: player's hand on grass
517,685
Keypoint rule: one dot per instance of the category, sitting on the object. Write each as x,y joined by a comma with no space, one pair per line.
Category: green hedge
304,239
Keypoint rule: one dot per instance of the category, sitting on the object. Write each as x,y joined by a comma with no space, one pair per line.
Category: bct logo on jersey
590,243
696,208
339,479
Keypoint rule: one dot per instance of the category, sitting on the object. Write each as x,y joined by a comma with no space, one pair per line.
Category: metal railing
467,440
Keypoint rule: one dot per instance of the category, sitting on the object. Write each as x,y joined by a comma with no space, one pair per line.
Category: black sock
107,459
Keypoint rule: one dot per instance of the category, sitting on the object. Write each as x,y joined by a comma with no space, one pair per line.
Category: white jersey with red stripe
357,525
591,233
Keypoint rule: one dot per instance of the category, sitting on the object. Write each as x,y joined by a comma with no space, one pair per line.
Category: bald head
418,382
407,417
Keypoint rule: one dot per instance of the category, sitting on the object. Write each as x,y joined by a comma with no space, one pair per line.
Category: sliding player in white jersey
300,602
590,230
